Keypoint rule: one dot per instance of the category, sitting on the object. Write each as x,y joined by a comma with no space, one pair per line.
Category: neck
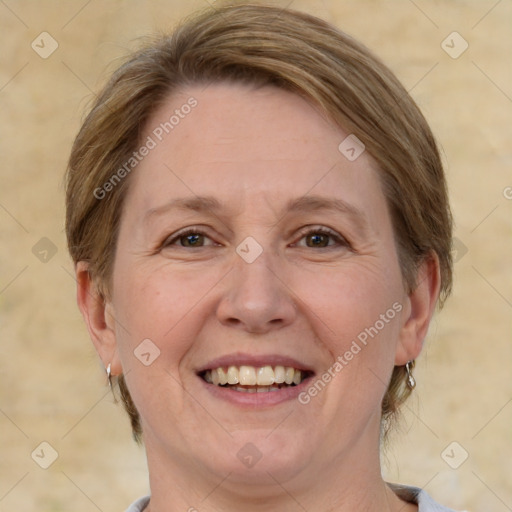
351,481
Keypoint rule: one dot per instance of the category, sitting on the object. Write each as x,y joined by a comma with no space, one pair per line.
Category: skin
254,150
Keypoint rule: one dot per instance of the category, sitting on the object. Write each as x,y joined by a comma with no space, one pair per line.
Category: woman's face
249,239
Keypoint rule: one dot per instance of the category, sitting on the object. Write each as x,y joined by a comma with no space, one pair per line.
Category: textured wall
52,388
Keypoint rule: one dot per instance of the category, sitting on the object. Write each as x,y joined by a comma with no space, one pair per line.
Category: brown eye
322,238
317,240
190,238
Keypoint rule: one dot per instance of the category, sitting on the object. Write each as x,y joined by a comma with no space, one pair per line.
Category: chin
257,457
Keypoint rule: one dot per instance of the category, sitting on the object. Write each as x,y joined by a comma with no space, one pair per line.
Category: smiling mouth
252,379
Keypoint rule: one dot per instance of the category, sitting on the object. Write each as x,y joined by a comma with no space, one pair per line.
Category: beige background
51,384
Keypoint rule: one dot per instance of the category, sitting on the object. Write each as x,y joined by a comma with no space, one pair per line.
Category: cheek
160,304
361,345
350,297
345,308
159,316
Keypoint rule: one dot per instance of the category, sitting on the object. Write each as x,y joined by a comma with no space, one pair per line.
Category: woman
259,220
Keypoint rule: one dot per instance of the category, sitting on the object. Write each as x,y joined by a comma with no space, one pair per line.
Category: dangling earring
109,376
411,382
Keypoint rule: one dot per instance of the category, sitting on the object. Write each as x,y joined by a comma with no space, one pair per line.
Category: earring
411,382
109,376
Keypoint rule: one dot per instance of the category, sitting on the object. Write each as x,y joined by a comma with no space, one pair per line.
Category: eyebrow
304,204
197,204
315,203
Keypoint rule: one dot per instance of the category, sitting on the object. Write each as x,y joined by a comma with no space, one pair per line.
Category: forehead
238,118
232,140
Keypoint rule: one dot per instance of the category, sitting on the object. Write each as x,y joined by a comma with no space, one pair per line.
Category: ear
97,313
418,310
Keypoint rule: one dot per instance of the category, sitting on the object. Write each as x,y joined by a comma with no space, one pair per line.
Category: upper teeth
251,376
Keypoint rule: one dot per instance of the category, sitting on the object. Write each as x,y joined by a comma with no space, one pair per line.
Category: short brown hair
264,45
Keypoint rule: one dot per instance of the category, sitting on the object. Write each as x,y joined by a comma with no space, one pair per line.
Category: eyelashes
320,237
322,233
193,235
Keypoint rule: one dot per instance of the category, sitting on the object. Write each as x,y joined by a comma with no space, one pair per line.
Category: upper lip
241,359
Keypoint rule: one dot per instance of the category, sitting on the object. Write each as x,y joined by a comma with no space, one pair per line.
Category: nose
257,298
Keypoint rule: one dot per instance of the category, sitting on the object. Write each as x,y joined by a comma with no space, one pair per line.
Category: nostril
233,321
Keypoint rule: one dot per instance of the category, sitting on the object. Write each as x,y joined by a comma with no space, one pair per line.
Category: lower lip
262,399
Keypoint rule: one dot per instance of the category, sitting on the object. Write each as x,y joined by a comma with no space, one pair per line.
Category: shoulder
139,505
419,497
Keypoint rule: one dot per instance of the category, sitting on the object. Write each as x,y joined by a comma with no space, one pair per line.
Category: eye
188,238
321,237
317,237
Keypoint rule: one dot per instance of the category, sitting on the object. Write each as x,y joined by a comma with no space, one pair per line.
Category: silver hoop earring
411,381
109,376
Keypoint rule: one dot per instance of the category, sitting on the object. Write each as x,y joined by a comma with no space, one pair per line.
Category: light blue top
410,494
